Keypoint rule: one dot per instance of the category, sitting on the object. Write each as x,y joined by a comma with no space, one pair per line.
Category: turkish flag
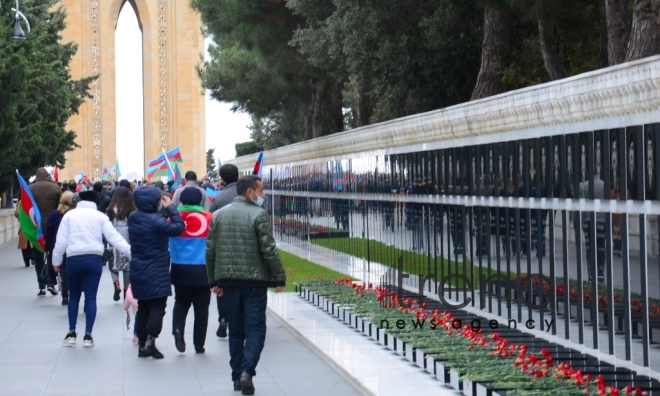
197,224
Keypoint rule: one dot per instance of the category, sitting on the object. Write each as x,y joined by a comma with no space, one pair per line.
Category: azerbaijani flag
104,173
258,167
159,170
84,178
171,156
111,173
117,171
175,174
29,216
190,246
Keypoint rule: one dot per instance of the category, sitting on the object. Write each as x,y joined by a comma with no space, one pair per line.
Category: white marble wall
8,225
618,96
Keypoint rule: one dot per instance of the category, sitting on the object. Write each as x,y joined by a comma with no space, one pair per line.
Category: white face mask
259,201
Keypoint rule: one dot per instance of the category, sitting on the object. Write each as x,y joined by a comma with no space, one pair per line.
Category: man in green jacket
242,262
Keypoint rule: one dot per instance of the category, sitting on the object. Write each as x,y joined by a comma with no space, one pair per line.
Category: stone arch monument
174,115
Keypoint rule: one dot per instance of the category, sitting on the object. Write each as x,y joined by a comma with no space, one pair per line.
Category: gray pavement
34,362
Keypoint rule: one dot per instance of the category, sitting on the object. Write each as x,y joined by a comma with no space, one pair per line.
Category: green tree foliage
37,95
306,68
210,163
247,148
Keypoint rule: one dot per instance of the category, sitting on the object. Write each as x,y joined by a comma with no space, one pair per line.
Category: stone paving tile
34,362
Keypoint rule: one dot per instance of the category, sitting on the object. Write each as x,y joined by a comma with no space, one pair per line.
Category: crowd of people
157,237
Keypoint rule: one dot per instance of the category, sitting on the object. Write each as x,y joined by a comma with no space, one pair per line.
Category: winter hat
191,196
89,196
125,183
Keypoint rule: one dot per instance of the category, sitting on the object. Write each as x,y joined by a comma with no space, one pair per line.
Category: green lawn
413,262
299,270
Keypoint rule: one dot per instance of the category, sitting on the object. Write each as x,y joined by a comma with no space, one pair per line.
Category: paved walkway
34,362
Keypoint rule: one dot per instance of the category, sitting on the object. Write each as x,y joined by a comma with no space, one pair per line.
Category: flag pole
167,160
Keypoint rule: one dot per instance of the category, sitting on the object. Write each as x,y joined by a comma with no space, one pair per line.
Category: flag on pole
29,216
169,164
175,174
56,174
83,178
162,169
219,165
117,171
111,174
258,167
171,156
104,173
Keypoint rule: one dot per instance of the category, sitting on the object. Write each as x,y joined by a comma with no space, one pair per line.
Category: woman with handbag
121,206
50,236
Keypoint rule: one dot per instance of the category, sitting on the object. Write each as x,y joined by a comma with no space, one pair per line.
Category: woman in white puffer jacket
80,236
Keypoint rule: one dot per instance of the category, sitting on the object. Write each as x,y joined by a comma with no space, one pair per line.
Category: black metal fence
567,222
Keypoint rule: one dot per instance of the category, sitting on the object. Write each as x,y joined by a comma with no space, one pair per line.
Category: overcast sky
223,128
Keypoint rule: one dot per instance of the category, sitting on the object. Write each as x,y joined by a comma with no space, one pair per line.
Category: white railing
622,95
8,225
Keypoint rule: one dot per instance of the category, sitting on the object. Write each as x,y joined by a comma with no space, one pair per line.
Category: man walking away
242,261
188,271
229,175
104,201
47,194
191,180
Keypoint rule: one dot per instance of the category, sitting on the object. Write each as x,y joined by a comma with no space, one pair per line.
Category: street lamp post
19,35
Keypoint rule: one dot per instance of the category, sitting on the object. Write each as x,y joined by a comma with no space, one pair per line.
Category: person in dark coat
47,195
104,201
188,273
50,238
229,175
149,234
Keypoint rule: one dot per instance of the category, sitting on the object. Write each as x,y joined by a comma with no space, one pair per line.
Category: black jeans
149,318
27,255
222,310
43,268
200,298
246,316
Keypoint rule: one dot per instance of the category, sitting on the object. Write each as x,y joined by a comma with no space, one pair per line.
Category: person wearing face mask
242,262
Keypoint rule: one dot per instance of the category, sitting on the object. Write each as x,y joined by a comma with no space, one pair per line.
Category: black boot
150,348
178,341
247,387
141,351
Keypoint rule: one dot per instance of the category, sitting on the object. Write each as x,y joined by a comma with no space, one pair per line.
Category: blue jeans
246,317
83,272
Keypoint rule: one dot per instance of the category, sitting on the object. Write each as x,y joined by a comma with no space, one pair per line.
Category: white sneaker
88,342
70,339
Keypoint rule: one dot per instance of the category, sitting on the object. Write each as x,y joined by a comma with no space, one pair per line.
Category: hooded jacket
46,193
149,234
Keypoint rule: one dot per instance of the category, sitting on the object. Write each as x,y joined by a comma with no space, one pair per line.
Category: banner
29,216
